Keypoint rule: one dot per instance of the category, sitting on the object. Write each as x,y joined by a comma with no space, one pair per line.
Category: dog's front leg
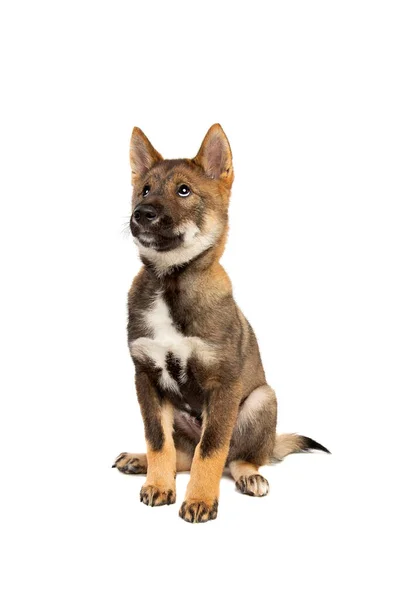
157,414
201,501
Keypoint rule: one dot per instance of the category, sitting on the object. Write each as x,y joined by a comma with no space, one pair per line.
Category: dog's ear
215,156
142,154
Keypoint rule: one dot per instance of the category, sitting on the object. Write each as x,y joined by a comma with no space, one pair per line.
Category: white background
308,94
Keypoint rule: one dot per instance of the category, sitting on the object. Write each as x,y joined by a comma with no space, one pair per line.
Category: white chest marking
165,338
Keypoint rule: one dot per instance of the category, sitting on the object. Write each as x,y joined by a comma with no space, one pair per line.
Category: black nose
145,212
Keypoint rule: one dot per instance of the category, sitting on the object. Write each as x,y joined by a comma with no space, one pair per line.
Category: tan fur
133,464
205,476
287,443
201,499
161,465
183,461
238,468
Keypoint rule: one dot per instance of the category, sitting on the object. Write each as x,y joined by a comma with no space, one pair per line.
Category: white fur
145,237
166,338
194,243
262,487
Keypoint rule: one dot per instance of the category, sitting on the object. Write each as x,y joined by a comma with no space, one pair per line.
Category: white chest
163,340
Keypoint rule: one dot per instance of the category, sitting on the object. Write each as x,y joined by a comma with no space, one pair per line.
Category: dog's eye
146,190
183,190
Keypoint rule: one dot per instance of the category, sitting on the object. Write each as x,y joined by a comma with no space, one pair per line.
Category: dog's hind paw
253,485
131,464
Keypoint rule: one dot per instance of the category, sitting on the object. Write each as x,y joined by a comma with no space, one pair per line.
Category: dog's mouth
158,241
156,237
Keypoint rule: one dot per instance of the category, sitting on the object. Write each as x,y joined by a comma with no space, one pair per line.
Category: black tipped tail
289,443
310,444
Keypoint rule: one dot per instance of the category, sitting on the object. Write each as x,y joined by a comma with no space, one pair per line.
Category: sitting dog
200,382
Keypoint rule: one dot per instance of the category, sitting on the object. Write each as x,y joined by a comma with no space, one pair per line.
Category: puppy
200,382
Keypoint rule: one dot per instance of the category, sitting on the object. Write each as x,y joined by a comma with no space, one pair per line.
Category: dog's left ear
142,154
215,156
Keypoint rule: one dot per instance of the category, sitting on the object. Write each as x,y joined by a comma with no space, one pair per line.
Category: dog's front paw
198,511
153,495
253,485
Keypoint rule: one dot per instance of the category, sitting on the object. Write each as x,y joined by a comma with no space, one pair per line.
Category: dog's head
180,207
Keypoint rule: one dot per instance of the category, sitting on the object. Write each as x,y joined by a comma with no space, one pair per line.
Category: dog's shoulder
142,291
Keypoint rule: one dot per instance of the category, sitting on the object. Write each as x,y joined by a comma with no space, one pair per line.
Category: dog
200,383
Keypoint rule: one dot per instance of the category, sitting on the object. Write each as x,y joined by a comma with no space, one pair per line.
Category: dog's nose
145,212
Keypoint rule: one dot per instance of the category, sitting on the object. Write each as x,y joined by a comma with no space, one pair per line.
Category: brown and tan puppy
199,378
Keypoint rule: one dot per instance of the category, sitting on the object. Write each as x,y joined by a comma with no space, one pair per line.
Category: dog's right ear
142,154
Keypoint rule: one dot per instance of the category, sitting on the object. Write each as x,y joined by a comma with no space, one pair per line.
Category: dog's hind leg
183,461
253,441
253,438
136,464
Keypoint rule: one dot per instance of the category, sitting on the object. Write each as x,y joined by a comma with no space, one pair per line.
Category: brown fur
200,382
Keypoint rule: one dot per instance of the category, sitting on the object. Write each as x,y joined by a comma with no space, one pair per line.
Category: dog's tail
289,443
